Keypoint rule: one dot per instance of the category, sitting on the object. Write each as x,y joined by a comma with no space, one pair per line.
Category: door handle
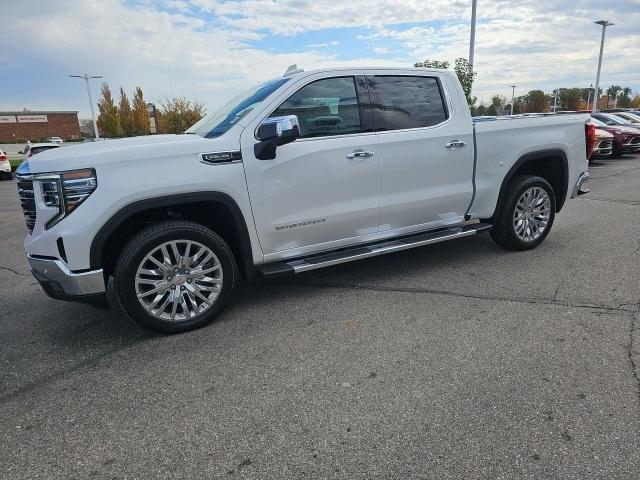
455,144
359,154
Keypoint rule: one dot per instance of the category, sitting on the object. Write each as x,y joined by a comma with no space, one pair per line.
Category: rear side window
401,102
324,107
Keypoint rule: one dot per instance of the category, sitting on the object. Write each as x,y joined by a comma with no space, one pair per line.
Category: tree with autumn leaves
130,118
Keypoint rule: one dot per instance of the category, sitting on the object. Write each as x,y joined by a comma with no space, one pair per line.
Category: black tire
504,232
145,242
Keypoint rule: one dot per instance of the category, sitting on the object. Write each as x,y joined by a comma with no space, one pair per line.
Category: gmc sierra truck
304,171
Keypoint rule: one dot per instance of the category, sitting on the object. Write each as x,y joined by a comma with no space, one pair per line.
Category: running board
357,253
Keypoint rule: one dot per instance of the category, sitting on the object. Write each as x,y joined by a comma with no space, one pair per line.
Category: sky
210,50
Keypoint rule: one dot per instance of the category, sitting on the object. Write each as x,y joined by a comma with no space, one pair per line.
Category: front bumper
579,188
60,283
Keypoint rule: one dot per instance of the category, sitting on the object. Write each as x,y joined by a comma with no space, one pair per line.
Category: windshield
597,122
219,122
626,120
617,120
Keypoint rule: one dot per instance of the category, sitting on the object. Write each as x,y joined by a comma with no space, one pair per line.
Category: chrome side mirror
275,132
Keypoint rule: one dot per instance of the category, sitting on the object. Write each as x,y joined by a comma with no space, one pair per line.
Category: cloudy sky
215,48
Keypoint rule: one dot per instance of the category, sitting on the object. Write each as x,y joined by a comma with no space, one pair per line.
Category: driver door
323,188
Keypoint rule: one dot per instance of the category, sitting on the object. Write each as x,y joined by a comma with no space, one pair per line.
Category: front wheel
526,215
175,276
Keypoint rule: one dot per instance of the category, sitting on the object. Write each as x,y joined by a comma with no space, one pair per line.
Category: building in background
35,126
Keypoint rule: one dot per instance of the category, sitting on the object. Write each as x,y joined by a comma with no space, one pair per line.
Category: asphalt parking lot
457,360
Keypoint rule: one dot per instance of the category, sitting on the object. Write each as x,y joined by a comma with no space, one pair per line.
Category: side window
324,107
401,102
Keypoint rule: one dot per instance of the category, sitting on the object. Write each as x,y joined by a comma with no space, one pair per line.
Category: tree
480,110
140,114
463,71
441,64
635,103
466,76
498,104
624,98
612,92
125,113
108,121
175,115
86,127
570,98
534,102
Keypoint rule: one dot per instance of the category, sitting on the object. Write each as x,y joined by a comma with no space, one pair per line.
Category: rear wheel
175,276
526,215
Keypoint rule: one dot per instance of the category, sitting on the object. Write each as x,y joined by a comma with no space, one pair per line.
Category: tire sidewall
515,193
137,249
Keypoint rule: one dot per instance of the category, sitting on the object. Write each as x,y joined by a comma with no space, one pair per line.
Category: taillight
590,138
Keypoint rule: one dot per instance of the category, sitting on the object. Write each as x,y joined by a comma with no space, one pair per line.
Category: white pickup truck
305,171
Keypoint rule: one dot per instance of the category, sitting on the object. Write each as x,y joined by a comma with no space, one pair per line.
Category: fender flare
101,237
532,156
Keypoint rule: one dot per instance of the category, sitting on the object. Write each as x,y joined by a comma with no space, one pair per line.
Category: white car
31,149
5,166
304,171
57,140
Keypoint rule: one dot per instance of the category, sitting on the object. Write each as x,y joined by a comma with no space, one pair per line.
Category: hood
625,130
628,128
138,149
602,134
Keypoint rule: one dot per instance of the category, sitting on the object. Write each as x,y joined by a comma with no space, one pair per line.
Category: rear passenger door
426,152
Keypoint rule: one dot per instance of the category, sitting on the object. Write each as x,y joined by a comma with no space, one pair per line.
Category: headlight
66,191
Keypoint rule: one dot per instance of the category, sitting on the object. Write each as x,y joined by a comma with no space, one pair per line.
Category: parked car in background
34,148
5,166
603,145
54,140
630,117
626,139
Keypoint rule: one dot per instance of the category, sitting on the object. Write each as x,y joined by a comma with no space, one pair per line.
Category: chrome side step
357,253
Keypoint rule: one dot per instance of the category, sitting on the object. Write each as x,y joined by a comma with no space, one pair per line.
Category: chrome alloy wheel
178,280
532,213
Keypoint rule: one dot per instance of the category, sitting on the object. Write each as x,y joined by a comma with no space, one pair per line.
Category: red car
626,139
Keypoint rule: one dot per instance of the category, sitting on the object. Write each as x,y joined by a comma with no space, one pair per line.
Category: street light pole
589,95
93,115
605,24
513,97
555,100
472,40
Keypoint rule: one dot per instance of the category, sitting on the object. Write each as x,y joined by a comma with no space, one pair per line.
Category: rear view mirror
21,152
275,132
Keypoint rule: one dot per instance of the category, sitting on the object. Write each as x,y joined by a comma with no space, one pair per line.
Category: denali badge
301,224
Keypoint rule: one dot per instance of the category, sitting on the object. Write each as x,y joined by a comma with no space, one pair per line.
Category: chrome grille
27,200
635,141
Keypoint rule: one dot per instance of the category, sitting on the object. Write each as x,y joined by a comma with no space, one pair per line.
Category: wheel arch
116,230
550,164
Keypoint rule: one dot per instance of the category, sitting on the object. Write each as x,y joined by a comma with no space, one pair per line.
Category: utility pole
555,100
170,85
472,39
513,97
93,115
596,93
